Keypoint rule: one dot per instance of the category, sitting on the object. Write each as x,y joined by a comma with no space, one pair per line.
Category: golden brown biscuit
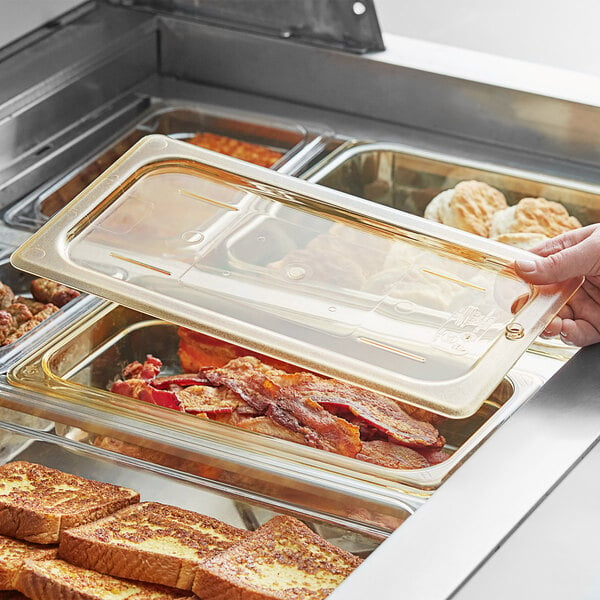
523,240
470,207
533,215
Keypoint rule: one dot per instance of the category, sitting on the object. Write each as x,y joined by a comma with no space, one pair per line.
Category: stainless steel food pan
295,142
408,178
159,484
20,282
82,365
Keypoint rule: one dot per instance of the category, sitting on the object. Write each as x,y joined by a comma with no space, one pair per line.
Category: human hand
569,255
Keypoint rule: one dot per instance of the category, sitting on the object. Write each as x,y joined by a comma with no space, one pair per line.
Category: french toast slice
282,560
149,542
13,553
37,502
58,580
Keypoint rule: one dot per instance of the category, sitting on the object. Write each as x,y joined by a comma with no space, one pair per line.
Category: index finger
564,240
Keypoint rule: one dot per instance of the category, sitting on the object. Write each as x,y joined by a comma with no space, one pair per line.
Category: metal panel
341,24
381,89
55,83
363,128
49,97
35,17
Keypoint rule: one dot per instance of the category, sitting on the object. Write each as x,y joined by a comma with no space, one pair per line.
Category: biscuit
534,215
433,211
469,207
521,239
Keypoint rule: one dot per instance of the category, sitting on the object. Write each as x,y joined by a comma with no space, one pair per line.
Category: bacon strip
184,380
150,369
142,390
209,400
377,410
394,456
319,428
301,407
434,456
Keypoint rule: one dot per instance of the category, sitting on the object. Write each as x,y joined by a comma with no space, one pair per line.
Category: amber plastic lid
333,283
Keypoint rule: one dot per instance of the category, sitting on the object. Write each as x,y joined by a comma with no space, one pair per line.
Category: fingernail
526,266
563,337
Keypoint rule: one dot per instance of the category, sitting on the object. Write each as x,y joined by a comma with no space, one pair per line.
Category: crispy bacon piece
319,428
142,390
377,410
197,351
374,410
267,426
393,456
209,400
149,370
300,407
434,455
178,381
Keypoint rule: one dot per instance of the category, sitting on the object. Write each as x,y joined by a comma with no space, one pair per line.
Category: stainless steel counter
481,506
552,554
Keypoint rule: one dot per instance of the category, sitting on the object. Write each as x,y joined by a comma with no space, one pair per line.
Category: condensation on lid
316,277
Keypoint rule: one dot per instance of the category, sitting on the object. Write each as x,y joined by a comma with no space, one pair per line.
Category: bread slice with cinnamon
149,542
282,560
58,580
37,502
13,553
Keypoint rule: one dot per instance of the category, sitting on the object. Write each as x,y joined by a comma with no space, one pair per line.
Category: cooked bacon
127,388
197,351
374,410
393,456
319,428
142,390
209,400
178,381
420,414
149,370
434,455
300,407
377,410
267,426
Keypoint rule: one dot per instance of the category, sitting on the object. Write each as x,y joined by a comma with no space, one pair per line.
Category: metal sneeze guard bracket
340,24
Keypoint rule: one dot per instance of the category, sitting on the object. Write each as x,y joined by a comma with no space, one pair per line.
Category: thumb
555,268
